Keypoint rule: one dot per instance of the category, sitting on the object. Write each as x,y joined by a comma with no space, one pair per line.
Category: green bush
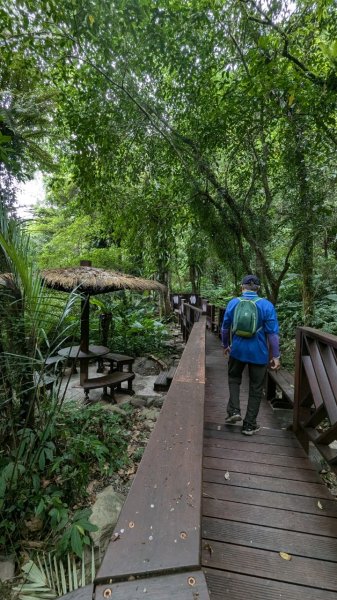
48,474
219,296
290,312
135,328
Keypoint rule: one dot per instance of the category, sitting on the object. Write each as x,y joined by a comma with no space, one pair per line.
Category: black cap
250,280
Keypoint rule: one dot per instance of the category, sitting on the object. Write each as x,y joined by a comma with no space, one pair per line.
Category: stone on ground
105,513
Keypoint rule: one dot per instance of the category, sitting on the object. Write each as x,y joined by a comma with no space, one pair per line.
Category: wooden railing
315,400
188,315
183,305
177,299
155,546
214,317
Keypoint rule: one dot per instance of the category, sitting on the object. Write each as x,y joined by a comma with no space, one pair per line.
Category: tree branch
285,52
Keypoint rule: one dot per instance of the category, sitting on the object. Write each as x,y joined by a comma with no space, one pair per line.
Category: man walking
252,324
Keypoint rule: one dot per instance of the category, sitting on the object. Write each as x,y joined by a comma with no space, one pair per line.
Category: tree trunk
164,302
194,279
306,225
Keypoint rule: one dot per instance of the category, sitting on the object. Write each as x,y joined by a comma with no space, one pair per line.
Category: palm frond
48,577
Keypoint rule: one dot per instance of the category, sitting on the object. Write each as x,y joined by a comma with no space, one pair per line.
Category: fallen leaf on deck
285,556
319,505
226,475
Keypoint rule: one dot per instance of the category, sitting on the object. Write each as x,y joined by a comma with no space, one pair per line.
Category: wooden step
171,374
161,384
164,380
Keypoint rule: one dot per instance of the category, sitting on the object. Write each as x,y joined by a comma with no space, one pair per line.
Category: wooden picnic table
112,380
75,352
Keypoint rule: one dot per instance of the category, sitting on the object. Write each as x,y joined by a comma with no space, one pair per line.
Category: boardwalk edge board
158,530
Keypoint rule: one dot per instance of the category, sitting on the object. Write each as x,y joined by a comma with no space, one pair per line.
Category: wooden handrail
188,315
158,531
315,400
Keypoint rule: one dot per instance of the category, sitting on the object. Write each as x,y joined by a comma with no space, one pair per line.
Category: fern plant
31,331
48,577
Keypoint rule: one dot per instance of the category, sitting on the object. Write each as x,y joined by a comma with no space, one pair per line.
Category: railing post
297,382
297,428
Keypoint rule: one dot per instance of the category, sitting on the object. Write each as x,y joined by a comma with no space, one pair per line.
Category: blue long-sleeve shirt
255,349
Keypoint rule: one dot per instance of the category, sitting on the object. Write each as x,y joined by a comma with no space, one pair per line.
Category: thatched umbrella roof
92,281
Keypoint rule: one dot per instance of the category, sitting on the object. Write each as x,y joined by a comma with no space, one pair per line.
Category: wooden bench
43,381
113,381
284,381
117,361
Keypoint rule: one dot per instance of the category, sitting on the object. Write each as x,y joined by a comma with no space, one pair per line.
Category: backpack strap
255,300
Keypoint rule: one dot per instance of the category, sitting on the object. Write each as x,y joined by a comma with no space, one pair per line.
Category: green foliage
45,449
249,165
290,311
217,296
25,119
6,590
135,328
37,479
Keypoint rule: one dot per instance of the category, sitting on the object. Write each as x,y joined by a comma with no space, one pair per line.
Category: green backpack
245,318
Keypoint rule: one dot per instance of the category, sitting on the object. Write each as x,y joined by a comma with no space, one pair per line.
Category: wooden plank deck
158,533
274,501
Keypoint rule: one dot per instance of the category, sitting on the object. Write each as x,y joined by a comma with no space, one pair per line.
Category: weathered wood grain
159,526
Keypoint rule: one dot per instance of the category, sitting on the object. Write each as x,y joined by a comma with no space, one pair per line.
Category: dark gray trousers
256,383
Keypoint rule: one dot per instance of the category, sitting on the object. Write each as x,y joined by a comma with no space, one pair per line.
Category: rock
105,514
143,385
151,401
146,366
158,401
138,402
115,408
150,414
149,425
7,568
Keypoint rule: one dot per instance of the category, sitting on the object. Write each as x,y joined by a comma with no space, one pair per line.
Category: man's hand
275,364
226,351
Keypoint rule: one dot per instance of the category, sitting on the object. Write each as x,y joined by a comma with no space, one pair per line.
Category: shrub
135,328
48,474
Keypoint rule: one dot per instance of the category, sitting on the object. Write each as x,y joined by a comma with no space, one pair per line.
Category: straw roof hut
92,280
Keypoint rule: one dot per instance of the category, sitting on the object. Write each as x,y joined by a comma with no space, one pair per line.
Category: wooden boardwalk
261,496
